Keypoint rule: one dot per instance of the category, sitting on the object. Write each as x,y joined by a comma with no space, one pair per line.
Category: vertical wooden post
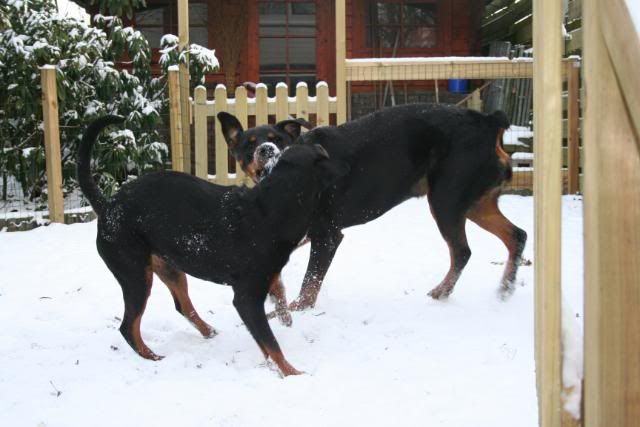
175,120
242,115
341,52
52,143
185,86
322,104
547,116
262,109
200,130
282,102
612,236
573,117
302,102
222,152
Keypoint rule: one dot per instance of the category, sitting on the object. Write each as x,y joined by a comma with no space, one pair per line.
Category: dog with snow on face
174,224
452,155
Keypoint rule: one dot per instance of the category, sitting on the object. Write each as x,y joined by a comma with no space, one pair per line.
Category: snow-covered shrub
89,85
201,59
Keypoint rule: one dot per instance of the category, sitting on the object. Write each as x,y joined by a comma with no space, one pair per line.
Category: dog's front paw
506,289
299,305
440,292
284,317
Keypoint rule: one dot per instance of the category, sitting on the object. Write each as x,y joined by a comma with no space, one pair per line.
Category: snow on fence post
322,104
222,153
242,114
175,120
200,131
52,143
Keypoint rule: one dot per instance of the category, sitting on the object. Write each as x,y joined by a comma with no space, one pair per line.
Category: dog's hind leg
251,310
487,215
133,272
176,281
323,249
279,297
449,215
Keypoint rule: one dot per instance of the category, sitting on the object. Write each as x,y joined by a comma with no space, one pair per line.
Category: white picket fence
262,107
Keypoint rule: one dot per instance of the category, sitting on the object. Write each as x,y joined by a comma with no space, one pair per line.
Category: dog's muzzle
265,157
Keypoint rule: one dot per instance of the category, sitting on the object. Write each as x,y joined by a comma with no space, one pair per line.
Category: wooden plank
322,100
55,199
622,38
547,103
302,102
282,106
612,234
241,113
222,154
262,116
573,116
341,46
438,69
200,131
175,121
185,86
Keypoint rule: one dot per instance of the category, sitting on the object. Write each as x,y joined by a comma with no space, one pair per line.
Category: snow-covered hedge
89,85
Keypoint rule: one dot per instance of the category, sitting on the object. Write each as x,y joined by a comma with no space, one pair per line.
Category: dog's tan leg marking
176,281
487,215
277,292
134,328
285,367
444,289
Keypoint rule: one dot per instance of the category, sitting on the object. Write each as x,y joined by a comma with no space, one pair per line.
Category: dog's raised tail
85,179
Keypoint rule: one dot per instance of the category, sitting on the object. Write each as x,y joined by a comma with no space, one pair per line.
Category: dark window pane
150,17
302,53
387,13
273,54
385,36
422,14
425,37
272,8
198,14
303,8
199,35
153,35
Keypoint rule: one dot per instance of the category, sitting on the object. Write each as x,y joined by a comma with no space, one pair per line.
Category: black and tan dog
452,155
172,223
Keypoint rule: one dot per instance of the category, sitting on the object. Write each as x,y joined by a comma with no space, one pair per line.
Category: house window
158,20
287,43
402,24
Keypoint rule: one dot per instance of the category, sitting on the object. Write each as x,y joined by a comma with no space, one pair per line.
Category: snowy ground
377,350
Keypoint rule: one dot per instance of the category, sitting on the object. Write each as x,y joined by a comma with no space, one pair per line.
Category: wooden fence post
302,102
222,156
611,230
175,120
200,130
262,111
322,104
341,50
547,104
52,143
573,117
282,102
185,106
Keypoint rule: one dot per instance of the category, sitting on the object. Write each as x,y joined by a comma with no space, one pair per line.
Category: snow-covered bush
89,85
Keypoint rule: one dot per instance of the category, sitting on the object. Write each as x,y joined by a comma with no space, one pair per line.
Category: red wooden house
294,40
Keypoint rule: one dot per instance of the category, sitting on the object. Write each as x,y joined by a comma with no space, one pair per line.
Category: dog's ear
293,126
231,129
319,149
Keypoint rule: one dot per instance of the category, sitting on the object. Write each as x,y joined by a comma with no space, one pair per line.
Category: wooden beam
622,38
200,130
52,143
612,234
175,120
185,85
341,52
547,191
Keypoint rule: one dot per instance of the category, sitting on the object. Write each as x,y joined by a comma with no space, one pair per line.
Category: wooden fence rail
261,107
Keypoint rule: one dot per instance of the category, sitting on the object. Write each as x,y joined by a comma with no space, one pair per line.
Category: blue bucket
458,86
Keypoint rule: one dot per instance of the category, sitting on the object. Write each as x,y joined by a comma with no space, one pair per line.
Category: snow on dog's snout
266,156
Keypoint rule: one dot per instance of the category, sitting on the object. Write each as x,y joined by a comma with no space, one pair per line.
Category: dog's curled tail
87,184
